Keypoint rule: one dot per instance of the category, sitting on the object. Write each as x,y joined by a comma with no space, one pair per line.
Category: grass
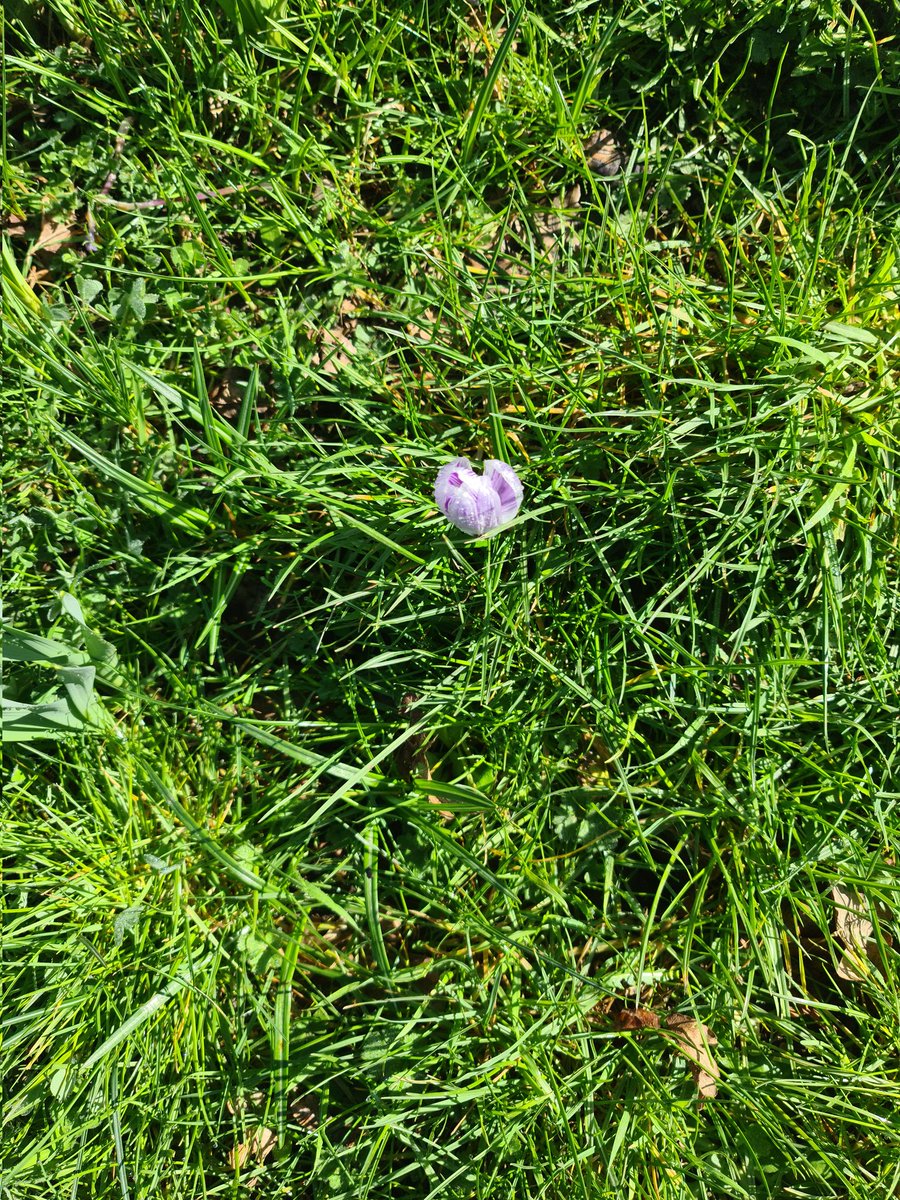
344,857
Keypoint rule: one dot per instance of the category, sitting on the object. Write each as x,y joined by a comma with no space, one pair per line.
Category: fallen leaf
593,768
12,225
550,223
637,1018
602,153
226,395
216,104
693,1040
258,1146
242,1103
572,197
422,329
854,928
412,757
35,276
53,236
304,1111
336,350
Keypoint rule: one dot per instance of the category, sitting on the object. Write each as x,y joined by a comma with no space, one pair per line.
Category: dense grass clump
345,857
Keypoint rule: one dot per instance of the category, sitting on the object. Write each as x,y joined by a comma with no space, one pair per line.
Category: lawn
348,857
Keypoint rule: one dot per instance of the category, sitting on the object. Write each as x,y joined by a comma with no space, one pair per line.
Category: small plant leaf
127,919
89,290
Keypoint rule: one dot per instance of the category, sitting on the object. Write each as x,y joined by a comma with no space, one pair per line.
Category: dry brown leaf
550,224
226,395
422,329
216,104
258,1146
572,197
602,153
336,350
13,225
854,928
304,1111
637,1018
240,1103
549,227
508,251
593,768
36,276
54,235
412,757
693,1040
556,221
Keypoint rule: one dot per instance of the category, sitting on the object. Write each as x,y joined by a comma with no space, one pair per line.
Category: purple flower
478,504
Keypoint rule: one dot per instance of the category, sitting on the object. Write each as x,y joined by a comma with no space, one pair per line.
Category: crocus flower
478,504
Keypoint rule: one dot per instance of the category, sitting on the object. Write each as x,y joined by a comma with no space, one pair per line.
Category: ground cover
345,856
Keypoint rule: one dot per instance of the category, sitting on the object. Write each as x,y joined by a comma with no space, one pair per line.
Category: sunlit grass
384,830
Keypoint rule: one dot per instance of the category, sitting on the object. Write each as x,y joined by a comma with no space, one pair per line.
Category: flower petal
474,507
506,484
449,477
